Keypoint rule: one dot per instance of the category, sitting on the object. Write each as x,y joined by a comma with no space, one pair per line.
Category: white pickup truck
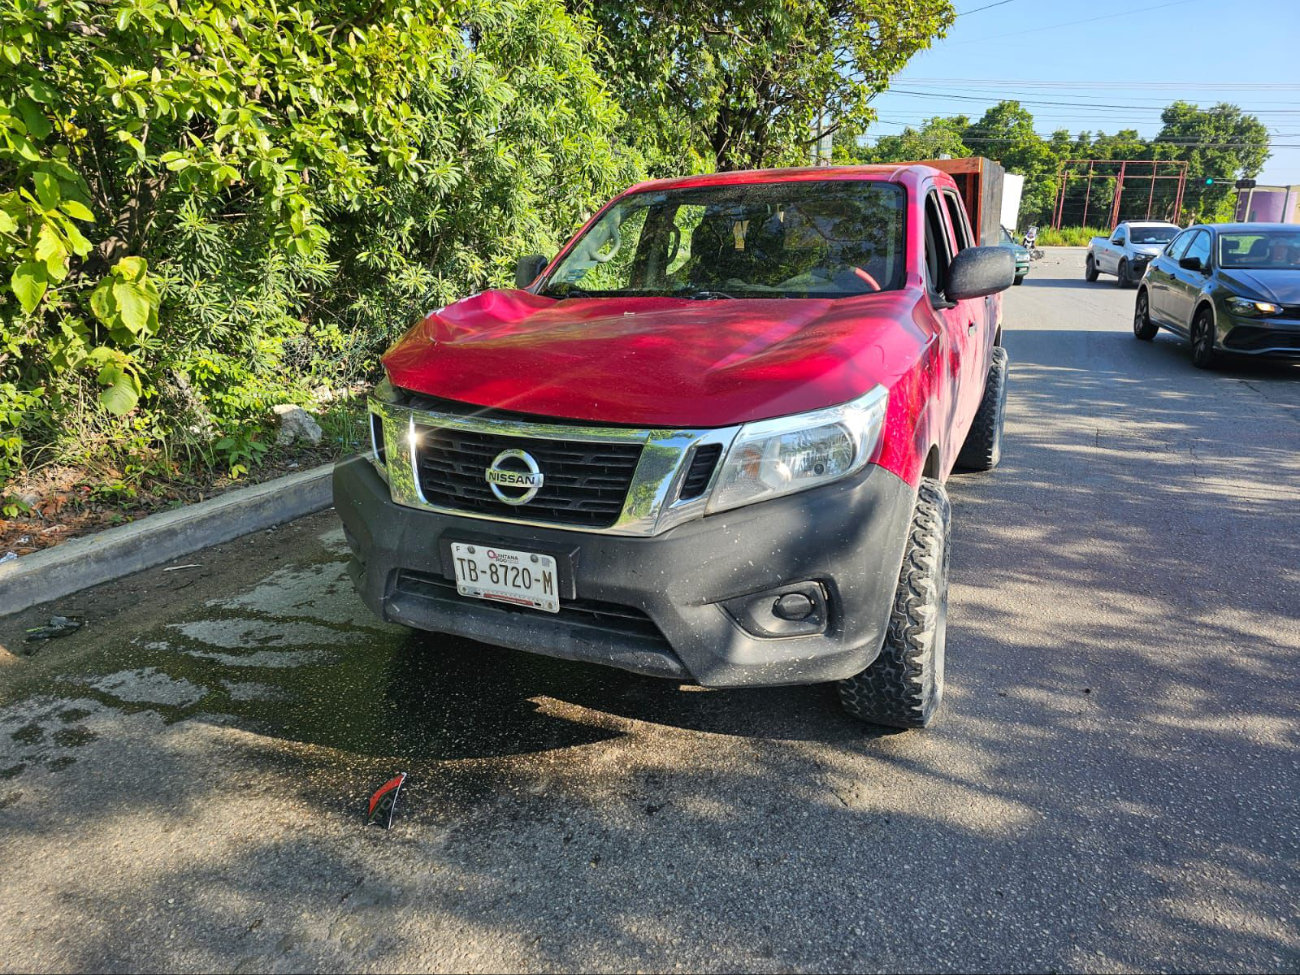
1128,250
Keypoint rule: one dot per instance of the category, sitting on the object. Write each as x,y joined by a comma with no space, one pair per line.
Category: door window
1179,245
1200,247
957,217
938,246
1117,238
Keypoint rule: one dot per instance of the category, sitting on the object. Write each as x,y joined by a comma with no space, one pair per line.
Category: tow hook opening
797,609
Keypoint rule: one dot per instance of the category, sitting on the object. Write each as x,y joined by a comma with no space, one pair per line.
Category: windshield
1151,235
1006,236
1260,249
824,239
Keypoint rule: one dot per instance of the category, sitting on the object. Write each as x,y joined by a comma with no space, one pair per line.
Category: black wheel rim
1202,344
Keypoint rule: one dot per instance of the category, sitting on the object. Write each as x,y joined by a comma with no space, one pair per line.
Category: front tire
1090,269
1122,279
983,447
1143,327
903,687
1204,355
1019,278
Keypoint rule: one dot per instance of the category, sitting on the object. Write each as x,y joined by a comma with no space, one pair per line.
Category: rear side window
938,248
957,217
1176,249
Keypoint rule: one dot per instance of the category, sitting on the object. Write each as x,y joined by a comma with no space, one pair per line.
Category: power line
1072,23
1178,143
1030,101
1002,92
1225,86
990,6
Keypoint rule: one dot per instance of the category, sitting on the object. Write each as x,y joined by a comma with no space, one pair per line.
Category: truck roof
1148,223
889,172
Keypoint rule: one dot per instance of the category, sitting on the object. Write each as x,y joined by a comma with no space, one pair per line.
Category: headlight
1249,306
794,453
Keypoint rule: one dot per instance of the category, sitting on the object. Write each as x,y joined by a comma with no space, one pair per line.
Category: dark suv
1228,288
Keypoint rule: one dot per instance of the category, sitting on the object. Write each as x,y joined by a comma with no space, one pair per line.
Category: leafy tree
1006,133
207,208
740,83
936,137
1221,142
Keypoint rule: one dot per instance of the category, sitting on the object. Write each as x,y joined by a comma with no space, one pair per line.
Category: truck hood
1278,285
659,362
1150,250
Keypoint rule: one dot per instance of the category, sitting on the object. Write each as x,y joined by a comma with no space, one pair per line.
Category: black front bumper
1266,338
654,605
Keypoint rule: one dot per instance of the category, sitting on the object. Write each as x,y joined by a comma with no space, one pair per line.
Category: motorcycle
1031,235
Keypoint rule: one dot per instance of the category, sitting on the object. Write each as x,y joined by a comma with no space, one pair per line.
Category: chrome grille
585,482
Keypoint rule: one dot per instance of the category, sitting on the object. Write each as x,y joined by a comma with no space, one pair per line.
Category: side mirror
1191,263
527,269
980,271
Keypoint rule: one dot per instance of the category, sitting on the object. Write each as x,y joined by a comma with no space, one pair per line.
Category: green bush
210,208
1069,236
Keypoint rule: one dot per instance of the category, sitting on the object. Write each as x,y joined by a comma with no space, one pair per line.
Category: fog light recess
799,609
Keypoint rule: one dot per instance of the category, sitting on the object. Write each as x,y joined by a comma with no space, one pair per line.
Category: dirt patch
67,502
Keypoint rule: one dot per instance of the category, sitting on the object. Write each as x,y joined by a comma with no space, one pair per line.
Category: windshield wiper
706,295
569,292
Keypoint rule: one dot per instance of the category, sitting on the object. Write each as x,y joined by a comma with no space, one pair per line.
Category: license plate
504,575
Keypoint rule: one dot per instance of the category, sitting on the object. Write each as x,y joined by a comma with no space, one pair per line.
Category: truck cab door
979,316
952,322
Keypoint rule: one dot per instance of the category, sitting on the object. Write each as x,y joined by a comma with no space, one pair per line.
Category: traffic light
1245,184
1209,181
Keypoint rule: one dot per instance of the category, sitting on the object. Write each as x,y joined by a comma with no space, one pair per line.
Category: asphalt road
1112,785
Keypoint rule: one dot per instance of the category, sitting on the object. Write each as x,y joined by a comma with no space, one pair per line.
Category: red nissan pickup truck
707,442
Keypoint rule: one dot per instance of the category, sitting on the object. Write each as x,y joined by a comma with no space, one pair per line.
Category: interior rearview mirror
980,271
527,269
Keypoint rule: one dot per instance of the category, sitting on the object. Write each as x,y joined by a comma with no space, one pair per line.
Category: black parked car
1228,288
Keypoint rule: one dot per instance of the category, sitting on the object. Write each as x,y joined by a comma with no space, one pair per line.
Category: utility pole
822,141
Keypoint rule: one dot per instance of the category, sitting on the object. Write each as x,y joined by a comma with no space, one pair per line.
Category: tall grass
1069,236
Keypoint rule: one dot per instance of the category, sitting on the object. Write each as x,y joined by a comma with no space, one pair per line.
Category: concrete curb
154,539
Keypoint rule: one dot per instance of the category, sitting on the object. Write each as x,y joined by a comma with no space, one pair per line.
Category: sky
1110,65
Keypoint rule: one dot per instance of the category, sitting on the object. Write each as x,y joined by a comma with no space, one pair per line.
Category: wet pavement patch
29,734
273,659
36,733
242,633
252,691
73,737
150,686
